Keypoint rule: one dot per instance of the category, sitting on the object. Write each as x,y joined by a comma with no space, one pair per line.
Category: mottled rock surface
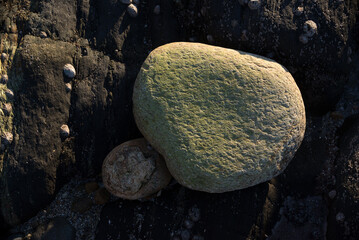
134,170
223,119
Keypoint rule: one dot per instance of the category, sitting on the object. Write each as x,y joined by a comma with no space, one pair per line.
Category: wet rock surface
107,47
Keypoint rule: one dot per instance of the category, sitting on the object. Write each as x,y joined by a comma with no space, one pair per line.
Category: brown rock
102,196
134,170
91,187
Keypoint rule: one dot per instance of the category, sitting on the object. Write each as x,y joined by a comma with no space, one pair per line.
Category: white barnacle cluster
132,7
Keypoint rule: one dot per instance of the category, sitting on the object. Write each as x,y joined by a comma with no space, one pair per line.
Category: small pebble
132,10
303,39
310,28
340,217
6,138
254,4
4,78
126,1
64,131
69,71
43,34
3,57
68,87
157,10
332,194
299,11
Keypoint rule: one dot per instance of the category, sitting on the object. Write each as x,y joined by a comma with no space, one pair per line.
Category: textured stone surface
223,119
134,170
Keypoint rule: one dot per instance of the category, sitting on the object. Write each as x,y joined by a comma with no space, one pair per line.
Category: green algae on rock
223,119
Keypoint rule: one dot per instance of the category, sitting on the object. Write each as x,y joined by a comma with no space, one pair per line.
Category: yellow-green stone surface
223,119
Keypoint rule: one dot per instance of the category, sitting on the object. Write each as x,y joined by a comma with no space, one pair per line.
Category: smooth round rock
132,10
69,71
223,119
64,131
310,28
134,170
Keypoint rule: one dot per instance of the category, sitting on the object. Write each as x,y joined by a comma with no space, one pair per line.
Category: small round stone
4,78
69,71
6,138
310,28
4,57
157,10
65,131
132,10
133,171
126,1
340,217
68,87
254,4
303,39
43,34
298,11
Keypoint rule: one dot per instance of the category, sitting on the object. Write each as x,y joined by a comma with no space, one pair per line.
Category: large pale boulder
223,119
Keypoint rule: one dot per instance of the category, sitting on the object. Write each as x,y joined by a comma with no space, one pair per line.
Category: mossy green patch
222,119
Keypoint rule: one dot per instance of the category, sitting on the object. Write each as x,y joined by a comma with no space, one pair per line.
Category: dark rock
232,215
42,105
56,229
343,220
56,17
302,219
